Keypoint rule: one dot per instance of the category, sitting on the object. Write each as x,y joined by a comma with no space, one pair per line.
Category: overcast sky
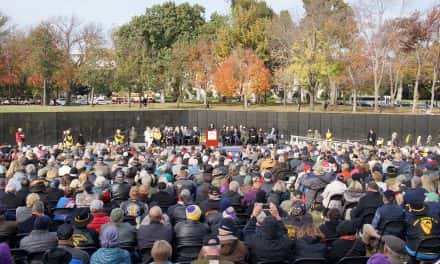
112,13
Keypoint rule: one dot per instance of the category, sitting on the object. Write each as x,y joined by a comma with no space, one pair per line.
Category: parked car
102,101
59,101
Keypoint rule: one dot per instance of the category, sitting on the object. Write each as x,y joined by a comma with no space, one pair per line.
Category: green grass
186,106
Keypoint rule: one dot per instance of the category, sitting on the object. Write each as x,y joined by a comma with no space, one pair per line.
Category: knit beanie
229,213
193,213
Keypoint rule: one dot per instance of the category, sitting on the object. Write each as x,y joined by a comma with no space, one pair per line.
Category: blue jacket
386,213
110,255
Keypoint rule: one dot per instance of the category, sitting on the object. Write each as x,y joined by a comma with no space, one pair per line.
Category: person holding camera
266,236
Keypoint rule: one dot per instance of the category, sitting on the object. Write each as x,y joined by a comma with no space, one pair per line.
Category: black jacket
271,244
190,232
421,225
177,213
162,199
345,248
328,228
85,237
147,234
367,204
11,201
54,194
209,205
119,191
309,247
22,194
235,197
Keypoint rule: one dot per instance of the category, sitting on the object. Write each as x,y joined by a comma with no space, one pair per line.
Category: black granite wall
47,128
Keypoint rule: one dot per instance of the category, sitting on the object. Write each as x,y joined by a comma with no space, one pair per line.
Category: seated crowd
264,204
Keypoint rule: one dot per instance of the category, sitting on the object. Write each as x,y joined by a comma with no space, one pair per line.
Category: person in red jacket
99,217
19,137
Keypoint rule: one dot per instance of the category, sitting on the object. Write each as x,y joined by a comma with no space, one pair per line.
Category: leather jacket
119,191
190,233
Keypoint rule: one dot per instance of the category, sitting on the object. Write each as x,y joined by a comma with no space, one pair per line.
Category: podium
211,138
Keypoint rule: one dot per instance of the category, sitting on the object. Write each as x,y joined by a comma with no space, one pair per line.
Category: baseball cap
395,244
211,241
64,232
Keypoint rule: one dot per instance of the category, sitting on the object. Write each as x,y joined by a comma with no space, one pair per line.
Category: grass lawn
186,106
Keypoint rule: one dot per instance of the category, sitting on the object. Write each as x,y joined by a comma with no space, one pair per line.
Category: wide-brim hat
82,217
37,186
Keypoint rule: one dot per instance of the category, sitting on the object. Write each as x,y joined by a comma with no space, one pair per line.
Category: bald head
155,214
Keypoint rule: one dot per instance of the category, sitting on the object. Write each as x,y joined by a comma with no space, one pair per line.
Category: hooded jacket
271,244
110,255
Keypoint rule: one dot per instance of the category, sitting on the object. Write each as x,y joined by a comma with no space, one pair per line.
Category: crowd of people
185,203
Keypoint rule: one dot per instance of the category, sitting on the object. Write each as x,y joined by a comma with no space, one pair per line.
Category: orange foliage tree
13,54
202,65
242,74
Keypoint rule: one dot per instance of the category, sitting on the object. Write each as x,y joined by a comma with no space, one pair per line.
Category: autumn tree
146,45
248,29
434,52
242,74
281,38
45,57
334,22
416,36
202,66
74,38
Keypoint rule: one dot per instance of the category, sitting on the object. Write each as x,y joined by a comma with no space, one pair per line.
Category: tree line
335,50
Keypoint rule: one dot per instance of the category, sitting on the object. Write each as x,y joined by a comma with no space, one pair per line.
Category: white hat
100,181
96,205
64,170
75,184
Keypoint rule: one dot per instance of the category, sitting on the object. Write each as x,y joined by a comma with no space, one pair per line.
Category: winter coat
99,219
110,255
352,196
162,199
234,196
39,241
119,191
335,187
234,251
309,247
367,204
328,228
177,213
420,224
386,213
341,248
147,234
127,232
190,232
271,244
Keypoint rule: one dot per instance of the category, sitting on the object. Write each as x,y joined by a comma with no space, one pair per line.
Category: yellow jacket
119,139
